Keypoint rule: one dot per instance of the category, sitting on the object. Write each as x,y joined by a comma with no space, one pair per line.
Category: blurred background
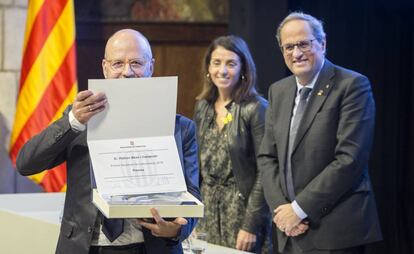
373,37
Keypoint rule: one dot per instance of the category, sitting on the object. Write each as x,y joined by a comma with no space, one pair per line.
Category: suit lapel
178,141
319,94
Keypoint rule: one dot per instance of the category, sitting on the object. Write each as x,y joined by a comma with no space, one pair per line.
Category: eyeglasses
303,46
118,66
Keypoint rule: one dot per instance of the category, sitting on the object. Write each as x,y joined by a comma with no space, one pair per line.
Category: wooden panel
185,62
178,49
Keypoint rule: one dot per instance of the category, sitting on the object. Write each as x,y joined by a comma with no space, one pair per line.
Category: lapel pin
320,93
327,86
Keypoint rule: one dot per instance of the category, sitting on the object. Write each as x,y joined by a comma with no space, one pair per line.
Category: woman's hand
245,240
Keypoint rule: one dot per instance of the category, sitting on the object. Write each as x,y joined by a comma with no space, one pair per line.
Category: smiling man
83,228
315,150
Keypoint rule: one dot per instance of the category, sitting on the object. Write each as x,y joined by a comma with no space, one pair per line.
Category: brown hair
245,88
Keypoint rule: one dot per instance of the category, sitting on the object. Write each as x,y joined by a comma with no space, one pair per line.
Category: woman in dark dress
229,115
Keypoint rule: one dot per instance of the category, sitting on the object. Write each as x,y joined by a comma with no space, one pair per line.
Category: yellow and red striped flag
48,78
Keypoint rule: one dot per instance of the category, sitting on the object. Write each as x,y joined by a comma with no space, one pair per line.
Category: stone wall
12,28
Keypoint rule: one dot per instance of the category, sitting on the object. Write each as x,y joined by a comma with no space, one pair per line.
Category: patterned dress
224,208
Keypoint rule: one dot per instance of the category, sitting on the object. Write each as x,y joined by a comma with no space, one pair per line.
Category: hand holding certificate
132,145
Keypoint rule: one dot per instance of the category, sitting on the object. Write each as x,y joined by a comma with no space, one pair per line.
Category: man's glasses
118,66
303,46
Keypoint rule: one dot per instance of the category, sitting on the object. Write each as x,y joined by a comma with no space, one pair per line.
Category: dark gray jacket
58,143
245,134
329,159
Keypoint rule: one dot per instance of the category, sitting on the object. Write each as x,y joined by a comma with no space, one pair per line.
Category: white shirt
132,230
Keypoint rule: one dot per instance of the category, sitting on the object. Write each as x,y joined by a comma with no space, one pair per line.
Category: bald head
128,45
128,37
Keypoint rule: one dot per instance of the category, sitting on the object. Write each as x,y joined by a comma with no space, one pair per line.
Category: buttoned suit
329,159
60,143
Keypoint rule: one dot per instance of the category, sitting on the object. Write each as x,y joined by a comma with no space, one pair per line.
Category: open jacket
244,135
58,143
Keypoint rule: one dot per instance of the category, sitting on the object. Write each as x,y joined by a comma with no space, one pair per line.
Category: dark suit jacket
329,159
59,143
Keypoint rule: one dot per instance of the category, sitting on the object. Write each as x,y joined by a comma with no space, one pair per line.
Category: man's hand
245,240
299,229
87,104
163,228
286,218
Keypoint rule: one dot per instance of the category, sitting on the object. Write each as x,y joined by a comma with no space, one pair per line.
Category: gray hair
315,24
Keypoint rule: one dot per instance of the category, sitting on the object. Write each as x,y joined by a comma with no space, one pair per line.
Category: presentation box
134,156
186,205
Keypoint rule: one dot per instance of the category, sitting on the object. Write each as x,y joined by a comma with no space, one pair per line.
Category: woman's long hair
245,87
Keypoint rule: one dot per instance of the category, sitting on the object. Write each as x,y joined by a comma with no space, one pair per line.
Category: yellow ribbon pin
228,118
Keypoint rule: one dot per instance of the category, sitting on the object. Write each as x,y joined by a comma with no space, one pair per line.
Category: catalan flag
48,79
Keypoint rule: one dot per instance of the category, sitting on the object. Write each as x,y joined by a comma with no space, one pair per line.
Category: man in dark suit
127,54
314,154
